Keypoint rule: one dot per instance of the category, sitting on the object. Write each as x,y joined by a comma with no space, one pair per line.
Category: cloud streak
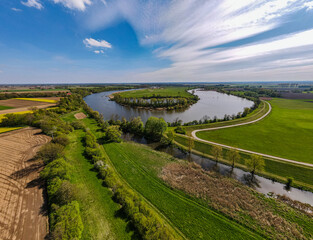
90,42
74,4
33,3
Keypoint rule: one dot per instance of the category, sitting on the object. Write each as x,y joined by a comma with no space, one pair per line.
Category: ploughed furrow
22,206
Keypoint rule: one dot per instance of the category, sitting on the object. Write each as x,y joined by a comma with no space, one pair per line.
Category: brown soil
20,103
23,213
80,116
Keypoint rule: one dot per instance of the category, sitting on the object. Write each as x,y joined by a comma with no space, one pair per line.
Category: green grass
273,169
100,214
5,107
140,167
287,132
164,92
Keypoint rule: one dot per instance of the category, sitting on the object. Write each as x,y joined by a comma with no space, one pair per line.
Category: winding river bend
211,104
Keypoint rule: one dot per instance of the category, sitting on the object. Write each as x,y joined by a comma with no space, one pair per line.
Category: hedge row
146,221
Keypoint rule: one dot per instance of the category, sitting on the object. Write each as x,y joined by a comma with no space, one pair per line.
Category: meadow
287,132
140,167
162,92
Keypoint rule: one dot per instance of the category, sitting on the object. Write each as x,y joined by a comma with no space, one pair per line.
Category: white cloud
98,51
90,42
197,37
74,4
309,5
33,3
16,9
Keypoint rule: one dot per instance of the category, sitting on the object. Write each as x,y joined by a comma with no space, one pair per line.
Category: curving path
193,134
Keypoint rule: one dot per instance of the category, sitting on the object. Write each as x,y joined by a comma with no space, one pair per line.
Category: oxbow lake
211,104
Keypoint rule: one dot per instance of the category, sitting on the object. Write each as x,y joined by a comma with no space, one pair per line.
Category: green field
287,132
100,214
140,167
5,107
163,92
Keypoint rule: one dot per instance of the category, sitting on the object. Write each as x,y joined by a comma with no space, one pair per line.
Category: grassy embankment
100,214
286,132
163,92
140,167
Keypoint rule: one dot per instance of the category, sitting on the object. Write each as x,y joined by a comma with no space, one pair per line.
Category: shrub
62,140
78,125
50,152
67,223
113,134
56,169
180,130
154,128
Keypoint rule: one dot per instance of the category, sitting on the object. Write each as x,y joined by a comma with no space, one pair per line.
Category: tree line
156,101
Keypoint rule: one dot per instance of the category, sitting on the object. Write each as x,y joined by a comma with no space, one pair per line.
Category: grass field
38,100
287,132
163,92
140,167
5,107
100,214
273,169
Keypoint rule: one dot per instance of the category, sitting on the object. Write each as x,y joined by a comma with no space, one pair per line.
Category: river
211,104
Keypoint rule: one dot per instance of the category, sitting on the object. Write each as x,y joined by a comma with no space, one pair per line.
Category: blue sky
104,41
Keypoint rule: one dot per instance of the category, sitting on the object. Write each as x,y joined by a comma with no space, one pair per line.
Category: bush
67,223
62,140
78,125
180,130
113,134
50,152
56,169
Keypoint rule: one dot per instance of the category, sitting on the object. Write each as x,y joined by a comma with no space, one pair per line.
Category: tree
233,156
154,128
217,152
114,133
255,163
191,143
136,126
50,152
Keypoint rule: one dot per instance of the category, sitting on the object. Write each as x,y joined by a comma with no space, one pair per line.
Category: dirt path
193,134
22,208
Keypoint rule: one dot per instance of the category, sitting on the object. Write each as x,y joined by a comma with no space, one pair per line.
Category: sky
128,41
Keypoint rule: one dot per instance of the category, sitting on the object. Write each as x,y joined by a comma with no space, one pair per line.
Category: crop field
5,108
163,92
19,103
287,132
7,129
45,100
140,167
22,210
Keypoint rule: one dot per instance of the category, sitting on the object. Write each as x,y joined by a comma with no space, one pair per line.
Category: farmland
21,193
287,128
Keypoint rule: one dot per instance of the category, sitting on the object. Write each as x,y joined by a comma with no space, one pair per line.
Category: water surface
211,104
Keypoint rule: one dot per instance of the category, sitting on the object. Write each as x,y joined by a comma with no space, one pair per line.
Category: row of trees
4,96
148,223
168,103
64,210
